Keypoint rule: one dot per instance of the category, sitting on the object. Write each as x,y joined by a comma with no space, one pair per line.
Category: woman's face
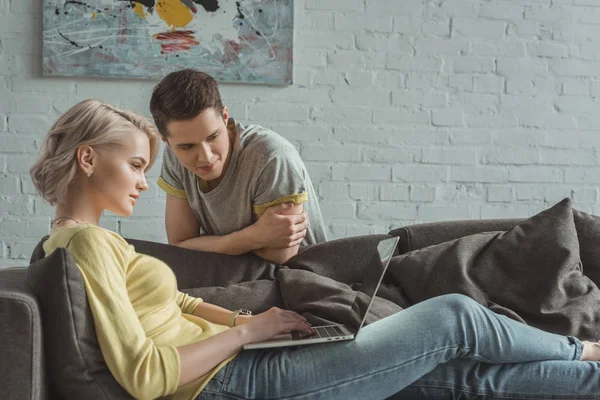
118,176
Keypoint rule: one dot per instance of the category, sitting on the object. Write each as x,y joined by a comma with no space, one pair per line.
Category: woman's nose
143,185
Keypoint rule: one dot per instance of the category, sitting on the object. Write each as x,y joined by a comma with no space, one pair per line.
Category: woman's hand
271,323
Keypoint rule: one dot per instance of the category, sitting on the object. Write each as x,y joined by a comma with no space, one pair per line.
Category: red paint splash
123,30
173,42
231,51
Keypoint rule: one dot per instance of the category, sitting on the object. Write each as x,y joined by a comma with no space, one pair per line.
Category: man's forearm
277,256
234,244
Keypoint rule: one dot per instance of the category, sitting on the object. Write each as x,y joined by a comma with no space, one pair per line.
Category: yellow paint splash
138,9
93,16
174,13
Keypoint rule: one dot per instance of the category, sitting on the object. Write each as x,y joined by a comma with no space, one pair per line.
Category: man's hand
275,229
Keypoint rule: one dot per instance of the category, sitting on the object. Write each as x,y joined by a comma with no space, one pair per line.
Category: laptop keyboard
324,331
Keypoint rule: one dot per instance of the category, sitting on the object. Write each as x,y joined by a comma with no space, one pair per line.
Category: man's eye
212,137
186,147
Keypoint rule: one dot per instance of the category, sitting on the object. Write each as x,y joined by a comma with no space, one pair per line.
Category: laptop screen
371,282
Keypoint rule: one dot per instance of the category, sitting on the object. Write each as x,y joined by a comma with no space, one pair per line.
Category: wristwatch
236,314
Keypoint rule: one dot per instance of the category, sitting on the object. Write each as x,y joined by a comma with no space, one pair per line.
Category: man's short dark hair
182,95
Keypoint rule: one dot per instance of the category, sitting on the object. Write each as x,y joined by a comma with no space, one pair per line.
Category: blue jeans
418,346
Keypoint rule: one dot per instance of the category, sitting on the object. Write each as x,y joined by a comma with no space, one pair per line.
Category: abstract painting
234,41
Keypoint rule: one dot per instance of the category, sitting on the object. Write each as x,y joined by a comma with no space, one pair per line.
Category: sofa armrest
22,369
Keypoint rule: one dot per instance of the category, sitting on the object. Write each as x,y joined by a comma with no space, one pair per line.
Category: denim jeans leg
545,380
392,353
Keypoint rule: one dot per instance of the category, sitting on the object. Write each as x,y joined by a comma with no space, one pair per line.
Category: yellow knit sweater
139,315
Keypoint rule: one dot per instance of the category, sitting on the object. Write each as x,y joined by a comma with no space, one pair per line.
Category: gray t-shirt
265,170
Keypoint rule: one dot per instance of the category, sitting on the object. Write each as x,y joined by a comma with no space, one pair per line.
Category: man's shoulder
260,143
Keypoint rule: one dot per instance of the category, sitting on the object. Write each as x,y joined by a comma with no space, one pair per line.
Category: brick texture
404,111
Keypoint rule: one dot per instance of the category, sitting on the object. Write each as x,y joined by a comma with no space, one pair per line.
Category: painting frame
235,41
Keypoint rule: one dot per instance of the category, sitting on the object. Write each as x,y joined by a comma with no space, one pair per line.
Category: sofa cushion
74,360
532,273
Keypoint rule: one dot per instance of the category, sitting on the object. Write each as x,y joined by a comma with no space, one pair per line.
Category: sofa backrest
422,235
417,236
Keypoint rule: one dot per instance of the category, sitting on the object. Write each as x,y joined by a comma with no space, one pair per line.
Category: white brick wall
404,111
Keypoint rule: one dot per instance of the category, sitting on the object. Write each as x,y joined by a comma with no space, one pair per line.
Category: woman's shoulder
84,234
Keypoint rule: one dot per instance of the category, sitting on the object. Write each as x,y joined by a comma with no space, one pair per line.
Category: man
230,189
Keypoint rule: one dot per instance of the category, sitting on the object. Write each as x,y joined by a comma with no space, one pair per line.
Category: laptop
360,308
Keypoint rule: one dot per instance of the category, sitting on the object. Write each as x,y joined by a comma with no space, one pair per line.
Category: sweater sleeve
187,303
145,370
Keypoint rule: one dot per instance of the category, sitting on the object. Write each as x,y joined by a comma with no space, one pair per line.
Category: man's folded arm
183,230
281,255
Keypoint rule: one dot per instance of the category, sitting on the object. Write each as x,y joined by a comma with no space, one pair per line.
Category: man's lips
209,167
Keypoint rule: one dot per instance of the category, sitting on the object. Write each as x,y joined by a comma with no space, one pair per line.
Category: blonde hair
90,123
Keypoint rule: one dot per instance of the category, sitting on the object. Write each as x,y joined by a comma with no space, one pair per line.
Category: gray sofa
245,281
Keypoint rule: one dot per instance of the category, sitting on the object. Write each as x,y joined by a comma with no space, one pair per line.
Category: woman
158,341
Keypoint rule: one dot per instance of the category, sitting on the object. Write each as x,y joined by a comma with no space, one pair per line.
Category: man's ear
225,114
165,140
87,159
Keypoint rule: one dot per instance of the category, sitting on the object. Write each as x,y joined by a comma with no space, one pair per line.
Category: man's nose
204,154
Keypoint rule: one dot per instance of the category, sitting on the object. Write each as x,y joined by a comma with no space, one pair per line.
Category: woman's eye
136,166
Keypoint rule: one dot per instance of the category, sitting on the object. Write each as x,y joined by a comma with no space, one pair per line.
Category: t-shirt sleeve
187,303
143,368
170,179
282,180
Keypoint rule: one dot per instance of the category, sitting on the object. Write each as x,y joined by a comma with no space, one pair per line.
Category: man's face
202,144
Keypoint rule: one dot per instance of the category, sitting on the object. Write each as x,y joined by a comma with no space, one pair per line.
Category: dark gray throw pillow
74,361
532,273
323,300
588,233
343,260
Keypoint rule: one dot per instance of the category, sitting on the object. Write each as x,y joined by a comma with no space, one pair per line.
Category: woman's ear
87,159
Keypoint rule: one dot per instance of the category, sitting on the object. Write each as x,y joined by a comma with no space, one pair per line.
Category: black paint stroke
146,3
69,40
209,5
86,5
240,14
77,2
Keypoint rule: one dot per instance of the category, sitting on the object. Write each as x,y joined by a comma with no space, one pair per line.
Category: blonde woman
159,342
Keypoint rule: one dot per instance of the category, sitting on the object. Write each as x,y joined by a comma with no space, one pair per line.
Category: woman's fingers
298,322
290,320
